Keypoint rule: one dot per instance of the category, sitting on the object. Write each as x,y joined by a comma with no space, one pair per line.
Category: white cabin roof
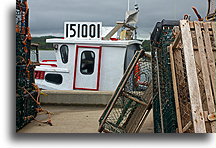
119,43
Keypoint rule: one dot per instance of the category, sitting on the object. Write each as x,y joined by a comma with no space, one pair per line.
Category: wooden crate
192,57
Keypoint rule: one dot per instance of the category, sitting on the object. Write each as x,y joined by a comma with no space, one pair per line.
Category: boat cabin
89,63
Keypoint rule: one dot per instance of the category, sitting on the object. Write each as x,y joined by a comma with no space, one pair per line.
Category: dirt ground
74,119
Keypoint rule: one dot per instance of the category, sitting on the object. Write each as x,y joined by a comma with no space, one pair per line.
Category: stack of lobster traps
26,91
192,58
183,71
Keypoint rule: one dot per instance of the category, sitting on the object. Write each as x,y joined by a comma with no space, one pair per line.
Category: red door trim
99,68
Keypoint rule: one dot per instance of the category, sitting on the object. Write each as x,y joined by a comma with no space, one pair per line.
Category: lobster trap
132,100
25,109
183,71
164,103
23,36
24,78
26,91
193,73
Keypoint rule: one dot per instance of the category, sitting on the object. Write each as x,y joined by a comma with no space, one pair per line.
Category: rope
37,89
39,109
26,91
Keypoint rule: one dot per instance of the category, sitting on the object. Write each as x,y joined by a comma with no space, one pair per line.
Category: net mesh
164,102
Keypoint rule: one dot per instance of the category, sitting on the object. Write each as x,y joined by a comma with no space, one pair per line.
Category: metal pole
128,5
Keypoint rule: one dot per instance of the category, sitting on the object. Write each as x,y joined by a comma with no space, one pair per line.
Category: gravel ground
74,119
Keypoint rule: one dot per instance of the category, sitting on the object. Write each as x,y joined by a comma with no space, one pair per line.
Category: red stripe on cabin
53,65
49,60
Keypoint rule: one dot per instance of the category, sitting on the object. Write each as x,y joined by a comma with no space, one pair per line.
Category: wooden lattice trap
192,59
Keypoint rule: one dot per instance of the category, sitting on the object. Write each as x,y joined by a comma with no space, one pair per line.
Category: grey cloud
47,16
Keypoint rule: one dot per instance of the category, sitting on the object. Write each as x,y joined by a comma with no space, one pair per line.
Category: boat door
87,67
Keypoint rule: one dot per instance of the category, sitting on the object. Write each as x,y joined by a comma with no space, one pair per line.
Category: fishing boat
89,56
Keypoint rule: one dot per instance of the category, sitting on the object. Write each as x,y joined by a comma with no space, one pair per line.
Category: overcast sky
47,16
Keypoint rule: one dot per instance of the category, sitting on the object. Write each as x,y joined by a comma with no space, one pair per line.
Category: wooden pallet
192,57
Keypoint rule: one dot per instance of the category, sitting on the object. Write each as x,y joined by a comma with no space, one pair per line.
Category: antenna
128,5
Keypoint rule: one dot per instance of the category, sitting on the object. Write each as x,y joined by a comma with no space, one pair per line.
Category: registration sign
83,30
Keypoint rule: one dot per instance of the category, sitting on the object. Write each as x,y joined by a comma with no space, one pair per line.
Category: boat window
87,62
54,78
64,53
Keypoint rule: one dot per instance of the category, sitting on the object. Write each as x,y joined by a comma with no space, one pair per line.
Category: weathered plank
133,98
177,39
178,113
212,61
182,86
144,117
193,27
188,125
205,72
195,97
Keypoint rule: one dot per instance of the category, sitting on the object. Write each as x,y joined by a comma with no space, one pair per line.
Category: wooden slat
144,117
196,48
205,71
178,113
182,84
210,57
176,41
195,97
206,115
215,56
188,125
193,27
133,98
